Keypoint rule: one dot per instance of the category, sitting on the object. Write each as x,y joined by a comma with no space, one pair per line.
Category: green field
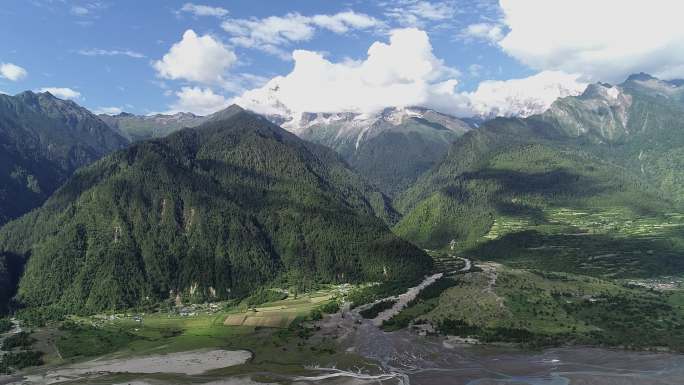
281,341
502,304
608,243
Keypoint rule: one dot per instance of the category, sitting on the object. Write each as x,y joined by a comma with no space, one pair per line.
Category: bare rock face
601,113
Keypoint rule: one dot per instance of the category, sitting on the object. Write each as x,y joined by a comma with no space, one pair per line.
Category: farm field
278,335
608,243
496,303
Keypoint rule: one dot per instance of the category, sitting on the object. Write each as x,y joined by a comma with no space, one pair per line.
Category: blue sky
109,52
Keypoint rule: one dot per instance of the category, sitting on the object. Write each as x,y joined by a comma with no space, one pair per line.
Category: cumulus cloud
198,100
492,33
417,13
271,33
403,72
202,59
108,110
204,10
523,97
111,52
62,92
603,40
12,72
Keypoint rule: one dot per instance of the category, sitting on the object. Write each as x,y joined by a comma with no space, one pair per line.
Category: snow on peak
298,122
524,97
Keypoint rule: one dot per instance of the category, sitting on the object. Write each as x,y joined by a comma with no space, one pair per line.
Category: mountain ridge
613,149
229,207
43,139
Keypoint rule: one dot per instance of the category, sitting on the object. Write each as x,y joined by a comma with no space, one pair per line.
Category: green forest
210,213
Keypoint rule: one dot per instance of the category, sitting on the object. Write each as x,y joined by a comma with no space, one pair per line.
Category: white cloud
12,72
404,72
110,52
603,40
475,70
202,59
492,33
523,97
87,8
204,10
62,92
416,13
108,110
198,100
271,33
274,30
79,11
344,21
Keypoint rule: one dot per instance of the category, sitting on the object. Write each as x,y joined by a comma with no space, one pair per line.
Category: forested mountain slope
392,148
594,164
212,212
638,125
42,141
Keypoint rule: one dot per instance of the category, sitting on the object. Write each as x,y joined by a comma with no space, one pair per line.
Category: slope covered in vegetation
42,141
213,212
609,154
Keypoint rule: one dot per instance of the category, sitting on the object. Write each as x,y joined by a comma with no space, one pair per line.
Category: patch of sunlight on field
507,224
278,314
617,221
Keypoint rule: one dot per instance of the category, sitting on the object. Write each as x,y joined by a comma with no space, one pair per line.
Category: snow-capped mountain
391,148
341,129
523,97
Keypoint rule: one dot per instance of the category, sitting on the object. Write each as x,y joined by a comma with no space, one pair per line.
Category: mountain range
213,212
234,202
43,140
613,154
142,127
391,148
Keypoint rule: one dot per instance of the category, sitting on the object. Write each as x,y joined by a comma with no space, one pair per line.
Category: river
405,358
409,359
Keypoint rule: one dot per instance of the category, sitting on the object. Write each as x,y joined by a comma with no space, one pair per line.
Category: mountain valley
239,226
413,192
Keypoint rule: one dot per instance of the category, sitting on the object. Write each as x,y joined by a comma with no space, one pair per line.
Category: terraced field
278,314
215,326
611,243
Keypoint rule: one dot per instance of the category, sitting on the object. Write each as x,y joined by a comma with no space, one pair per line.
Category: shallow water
434,361
408,359
417,360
